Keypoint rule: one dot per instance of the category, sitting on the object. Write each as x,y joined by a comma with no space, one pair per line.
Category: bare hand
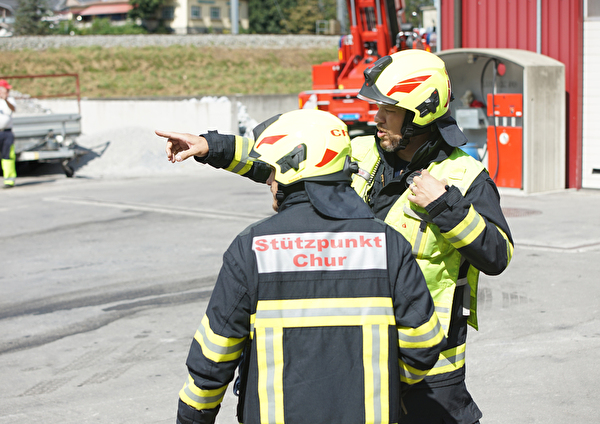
425,189
181,146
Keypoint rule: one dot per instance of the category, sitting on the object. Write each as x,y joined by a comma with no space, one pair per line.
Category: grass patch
165,71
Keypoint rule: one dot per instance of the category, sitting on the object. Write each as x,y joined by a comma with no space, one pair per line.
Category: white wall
191,115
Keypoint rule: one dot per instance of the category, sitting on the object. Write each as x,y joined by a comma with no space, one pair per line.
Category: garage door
591,97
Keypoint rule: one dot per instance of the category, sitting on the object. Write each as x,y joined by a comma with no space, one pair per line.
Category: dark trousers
7,138
450,404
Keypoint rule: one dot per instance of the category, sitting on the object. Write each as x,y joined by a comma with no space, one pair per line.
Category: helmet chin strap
410,130
279,196
407,131
285,191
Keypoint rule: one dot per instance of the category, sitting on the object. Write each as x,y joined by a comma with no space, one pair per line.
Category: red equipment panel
509,105
505,156
325,76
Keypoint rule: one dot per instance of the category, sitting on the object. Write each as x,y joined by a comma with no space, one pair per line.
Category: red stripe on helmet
417,79
271,139
408,85
403,88
327,157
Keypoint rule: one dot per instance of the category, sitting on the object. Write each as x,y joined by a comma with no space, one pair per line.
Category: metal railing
76,93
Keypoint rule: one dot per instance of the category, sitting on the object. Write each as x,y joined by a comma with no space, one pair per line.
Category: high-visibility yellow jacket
448,237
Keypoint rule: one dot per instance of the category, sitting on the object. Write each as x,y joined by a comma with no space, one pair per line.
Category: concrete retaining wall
183,115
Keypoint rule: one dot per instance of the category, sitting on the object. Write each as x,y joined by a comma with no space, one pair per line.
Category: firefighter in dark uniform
322,305
415,177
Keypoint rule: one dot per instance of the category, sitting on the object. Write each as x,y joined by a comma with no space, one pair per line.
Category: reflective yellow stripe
269,353
201,399
443,312
217,348
450,360
324,312
509,246
368,374
376,373
384,379
418,241
467,230
264,379
426,335
278,372
241,162
375,315
410,375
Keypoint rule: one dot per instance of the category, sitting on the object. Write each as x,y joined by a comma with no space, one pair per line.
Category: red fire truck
377,28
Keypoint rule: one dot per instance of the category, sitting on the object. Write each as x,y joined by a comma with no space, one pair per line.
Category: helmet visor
369,90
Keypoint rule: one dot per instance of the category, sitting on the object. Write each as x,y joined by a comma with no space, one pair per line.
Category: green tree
266,16
288,16
144,9
28,18
301,18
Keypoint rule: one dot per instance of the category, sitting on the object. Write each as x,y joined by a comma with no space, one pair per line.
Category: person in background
323,305
7,137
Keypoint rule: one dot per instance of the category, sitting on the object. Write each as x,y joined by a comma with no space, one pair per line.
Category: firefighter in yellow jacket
323,305
414,176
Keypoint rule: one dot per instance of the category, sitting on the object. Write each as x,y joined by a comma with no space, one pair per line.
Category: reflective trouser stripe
9,168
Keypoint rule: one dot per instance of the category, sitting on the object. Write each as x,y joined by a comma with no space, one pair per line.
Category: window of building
215,13
168,12
196,12
593,9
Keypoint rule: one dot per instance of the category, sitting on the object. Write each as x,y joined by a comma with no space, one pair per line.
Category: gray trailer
41,136
48,138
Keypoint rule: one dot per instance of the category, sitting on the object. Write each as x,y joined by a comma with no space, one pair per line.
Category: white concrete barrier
184,115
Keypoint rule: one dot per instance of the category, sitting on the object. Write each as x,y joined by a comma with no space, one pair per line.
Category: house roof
13,5
9,5
106,9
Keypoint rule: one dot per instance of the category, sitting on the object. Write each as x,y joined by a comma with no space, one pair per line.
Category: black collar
336,200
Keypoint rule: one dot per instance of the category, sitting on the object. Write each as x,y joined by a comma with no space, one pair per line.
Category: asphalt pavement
104,281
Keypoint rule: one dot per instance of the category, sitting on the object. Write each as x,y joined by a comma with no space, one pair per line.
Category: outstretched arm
229,152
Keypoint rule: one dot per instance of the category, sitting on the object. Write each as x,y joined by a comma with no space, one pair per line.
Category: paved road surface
103,283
